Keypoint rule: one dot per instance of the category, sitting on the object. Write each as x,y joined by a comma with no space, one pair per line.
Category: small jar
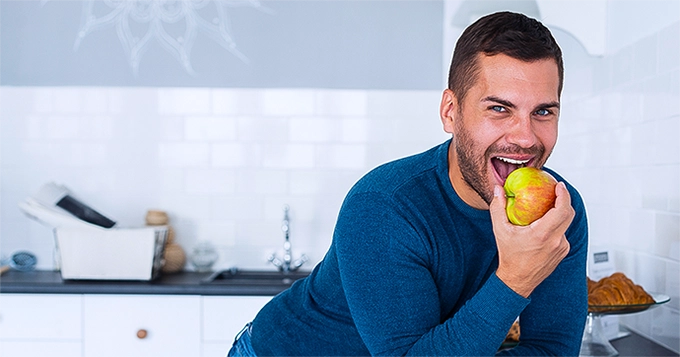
203,256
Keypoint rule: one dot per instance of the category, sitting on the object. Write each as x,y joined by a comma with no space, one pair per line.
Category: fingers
563,196
497,206
563,212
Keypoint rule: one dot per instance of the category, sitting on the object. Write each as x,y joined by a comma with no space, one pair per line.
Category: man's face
507,119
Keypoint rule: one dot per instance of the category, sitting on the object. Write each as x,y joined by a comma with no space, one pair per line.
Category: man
424,261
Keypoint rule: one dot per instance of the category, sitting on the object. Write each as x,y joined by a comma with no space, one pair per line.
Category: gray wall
286,44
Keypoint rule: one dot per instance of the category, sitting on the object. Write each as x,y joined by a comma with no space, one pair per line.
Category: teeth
512,161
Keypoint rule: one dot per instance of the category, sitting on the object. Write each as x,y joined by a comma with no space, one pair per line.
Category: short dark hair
509,33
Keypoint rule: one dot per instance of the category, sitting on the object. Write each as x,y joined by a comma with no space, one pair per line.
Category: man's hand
529,254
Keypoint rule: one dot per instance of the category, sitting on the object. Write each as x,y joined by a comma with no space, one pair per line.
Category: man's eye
498,108
543,112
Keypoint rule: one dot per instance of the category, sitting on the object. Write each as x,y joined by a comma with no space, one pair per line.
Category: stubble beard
472,167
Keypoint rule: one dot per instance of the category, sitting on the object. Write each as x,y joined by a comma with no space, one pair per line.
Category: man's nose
521,132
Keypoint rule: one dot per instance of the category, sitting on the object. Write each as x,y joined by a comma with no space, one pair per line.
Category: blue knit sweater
410,271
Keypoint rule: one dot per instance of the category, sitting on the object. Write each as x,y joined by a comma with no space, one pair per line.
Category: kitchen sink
254,277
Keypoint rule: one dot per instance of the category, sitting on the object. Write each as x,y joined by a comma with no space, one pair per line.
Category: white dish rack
110,254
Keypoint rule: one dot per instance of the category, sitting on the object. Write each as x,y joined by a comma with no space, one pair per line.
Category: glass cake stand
594,342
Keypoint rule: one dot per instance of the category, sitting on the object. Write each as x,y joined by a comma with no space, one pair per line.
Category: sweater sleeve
392,296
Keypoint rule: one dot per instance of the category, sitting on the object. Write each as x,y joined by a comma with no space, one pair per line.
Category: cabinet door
40,325
40,316
224,317
37,348
141,325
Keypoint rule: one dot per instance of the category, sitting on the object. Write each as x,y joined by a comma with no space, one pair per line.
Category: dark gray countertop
636,345
185,283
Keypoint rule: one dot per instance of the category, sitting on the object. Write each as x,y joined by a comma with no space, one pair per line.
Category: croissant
513,334
616,289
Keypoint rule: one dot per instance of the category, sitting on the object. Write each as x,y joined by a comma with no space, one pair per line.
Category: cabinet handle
141,334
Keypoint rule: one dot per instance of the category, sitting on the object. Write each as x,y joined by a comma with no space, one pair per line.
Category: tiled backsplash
659,275
221,162
620,145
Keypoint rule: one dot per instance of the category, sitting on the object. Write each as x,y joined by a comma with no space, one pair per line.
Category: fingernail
497,191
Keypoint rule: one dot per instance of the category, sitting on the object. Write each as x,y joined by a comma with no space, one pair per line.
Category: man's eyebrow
549,105
499,101
510,105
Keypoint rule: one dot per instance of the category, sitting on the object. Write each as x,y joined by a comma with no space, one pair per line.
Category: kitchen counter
185,283
189,283
636,345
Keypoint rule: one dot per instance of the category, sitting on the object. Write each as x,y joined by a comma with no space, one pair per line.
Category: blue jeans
242,346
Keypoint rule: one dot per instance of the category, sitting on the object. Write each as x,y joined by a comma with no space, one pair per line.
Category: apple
530,194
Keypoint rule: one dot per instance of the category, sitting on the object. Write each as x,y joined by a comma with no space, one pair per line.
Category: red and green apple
530,193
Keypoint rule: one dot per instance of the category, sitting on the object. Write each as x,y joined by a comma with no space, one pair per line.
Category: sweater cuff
497,302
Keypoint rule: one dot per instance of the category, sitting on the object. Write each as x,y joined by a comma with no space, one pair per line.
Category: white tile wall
620,145
222,162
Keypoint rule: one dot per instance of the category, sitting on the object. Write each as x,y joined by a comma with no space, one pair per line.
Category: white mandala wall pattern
174,24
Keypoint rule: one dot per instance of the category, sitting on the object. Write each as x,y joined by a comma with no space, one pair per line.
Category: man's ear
447,110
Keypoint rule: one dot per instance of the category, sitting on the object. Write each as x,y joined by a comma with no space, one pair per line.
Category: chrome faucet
287,264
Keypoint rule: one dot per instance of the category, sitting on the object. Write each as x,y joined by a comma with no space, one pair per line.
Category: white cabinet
40,325
141,325
224,317
60,325
26,348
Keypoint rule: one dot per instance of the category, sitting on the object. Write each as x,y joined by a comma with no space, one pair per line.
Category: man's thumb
497,206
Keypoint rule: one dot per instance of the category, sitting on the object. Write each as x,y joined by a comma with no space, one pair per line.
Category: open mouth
503,166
